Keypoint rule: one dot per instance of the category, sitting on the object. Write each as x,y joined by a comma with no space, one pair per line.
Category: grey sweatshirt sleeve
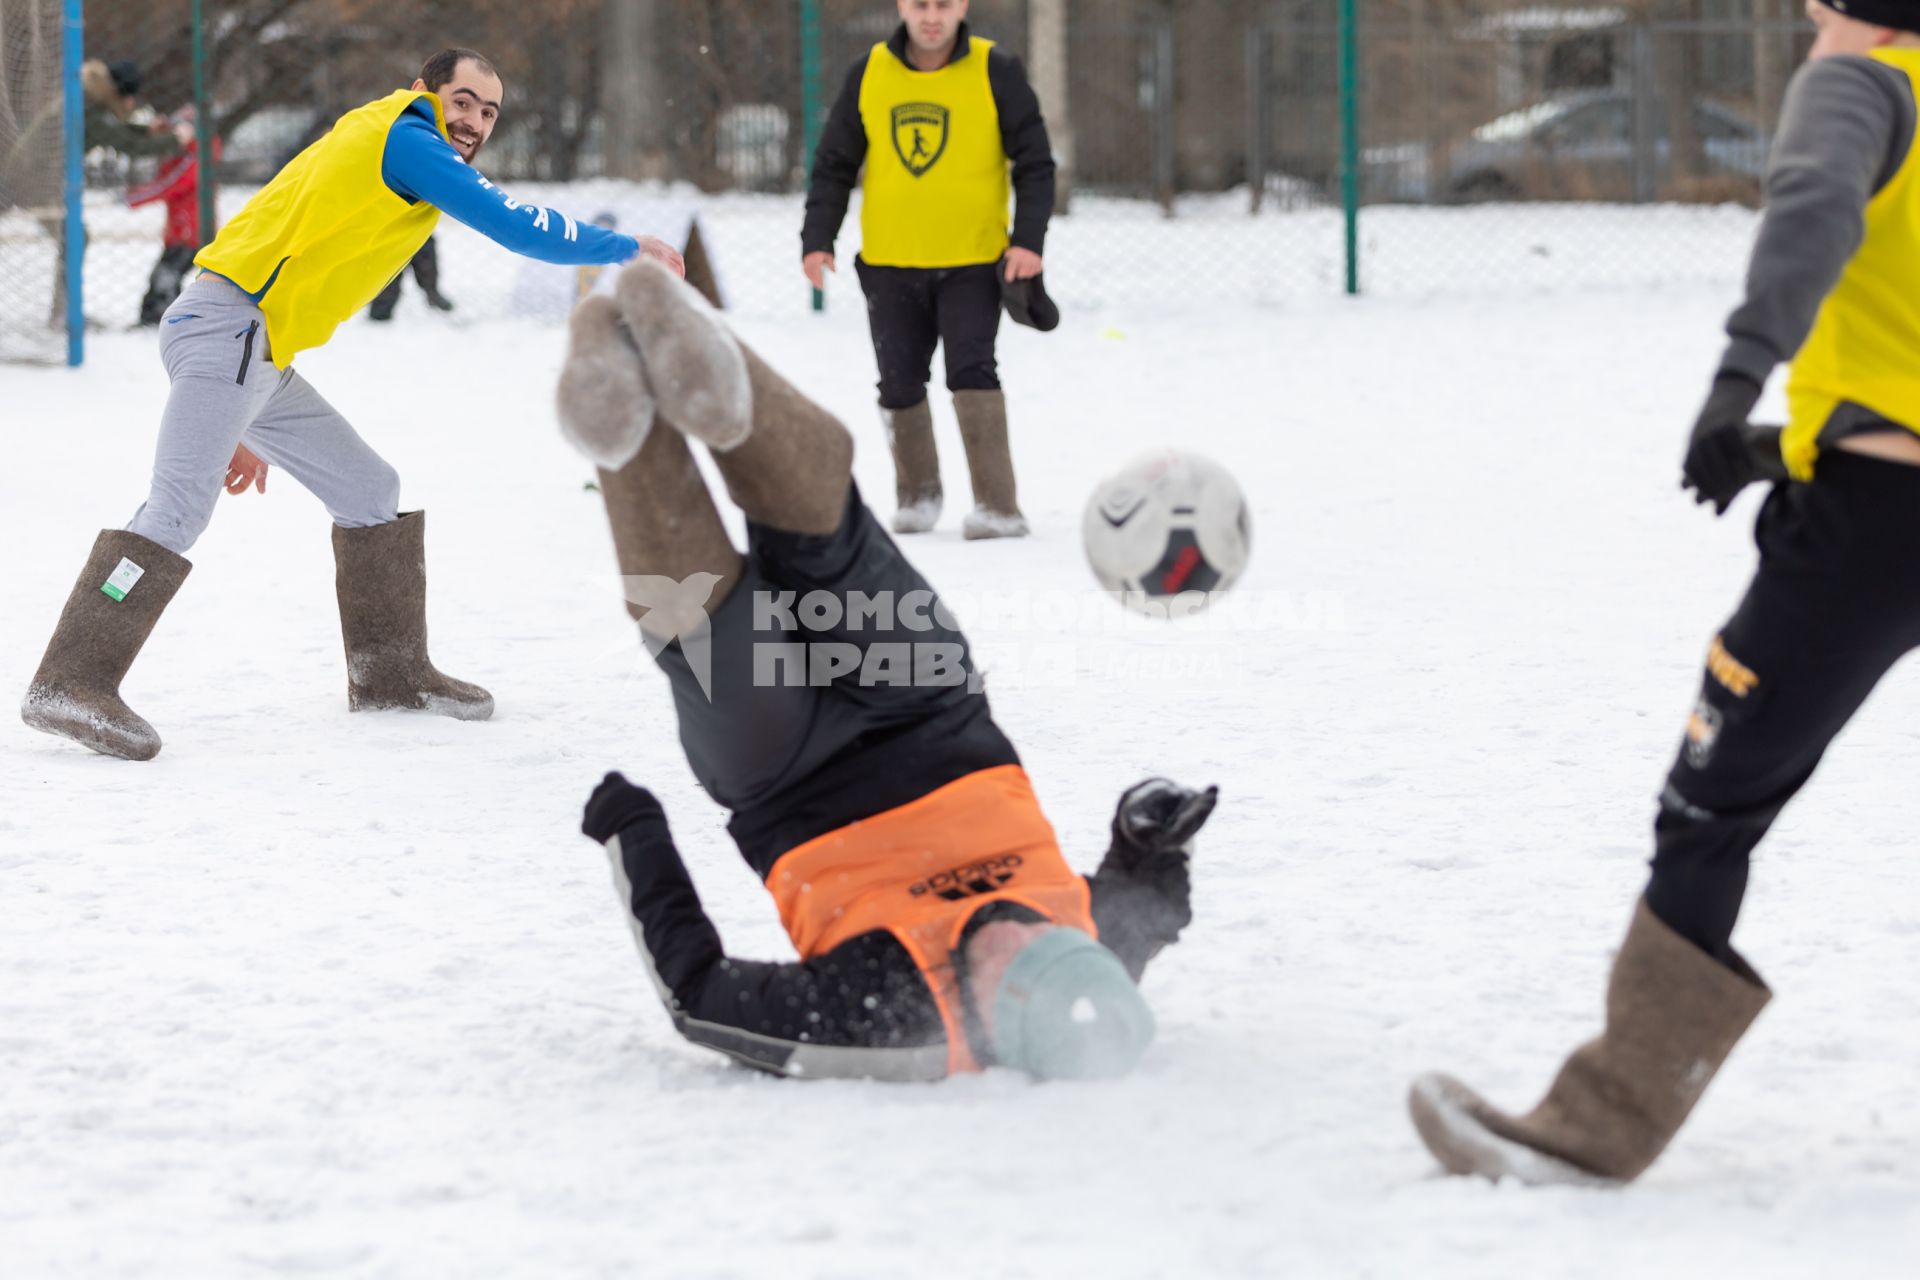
1844,132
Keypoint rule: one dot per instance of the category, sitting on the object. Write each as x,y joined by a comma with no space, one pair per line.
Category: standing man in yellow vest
937,115
309,250
1833,290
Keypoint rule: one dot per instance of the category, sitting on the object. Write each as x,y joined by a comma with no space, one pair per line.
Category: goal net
32,164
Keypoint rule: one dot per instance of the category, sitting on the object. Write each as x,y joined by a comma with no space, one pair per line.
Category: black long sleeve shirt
1846,128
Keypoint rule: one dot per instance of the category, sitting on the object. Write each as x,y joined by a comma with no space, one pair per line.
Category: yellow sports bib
327,231
1865,345
937,185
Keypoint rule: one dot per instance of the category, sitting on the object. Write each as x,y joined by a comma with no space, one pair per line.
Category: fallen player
828,700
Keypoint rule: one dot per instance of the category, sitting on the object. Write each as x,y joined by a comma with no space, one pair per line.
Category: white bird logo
677,610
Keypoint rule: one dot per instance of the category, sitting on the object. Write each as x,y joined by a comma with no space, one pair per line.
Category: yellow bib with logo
327,231
1865,345
937,187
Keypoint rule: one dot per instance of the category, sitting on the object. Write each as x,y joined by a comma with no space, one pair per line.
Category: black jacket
1023,135
862,1009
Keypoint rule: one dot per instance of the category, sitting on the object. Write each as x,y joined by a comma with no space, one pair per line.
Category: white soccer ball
1168,532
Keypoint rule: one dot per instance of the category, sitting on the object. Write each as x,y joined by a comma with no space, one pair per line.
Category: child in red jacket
178,184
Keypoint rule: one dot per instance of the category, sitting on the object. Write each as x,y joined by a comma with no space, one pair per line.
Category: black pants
913,309
1834,604
426,273
165,281
838,686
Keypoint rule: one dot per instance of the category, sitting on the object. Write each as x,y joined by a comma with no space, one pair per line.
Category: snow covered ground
320,994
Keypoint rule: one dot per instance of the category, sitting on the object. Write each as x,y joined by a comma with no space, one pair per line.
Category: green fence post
203,125
1350,136
810,107
73,22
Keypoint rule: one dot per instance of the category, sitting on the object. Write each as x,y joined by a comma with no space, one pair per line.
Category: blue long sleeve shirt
419,164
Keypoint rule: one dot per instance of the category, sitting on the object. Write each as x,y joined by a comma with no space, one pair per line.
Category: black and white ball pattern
1167,532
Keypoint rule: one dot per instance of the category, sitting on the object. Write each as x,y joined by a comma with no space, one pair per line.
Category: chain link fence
32,179
1500,143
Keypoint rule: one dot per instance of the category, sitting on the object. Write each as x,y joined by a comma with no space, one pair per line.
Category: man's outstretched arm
420,165
861,1010
1141,893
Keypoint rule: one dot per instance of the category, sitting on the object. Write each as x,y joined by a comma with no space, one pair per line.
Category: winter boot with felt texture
381,578
787,462
983,429
1673,1015
916,468
126,585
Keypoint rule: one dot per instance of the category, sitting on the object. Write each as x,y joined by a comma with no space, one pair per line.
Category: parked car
260,146
1571,146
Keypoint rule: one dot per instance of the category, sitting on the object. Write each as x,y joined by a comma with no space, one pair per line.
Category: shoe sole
1443,1112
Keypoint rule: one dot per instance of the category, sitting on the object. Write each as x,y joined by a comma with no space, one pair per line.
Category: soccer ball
1167,532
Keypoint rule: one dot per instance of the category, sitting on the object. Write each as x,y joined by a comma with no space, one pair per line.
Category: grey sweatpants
226,392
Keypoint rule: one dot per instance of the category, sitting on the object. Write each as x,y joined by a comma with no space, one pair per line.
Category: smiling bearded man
314,246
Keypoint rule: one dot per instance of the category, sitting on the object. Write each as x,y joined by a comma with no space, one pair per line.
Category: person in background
936,115
112,119
177,184
426,274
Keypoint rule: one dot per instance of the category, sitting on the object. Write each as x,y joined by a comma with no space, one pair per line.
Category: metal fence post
1350,136
811,121
1646,166
1256,113
74,187
203,126
1163,113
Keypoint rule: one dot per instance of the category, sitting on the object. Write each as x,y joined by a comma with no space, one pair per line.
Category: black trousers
426,274
1834,604
913,309
837,686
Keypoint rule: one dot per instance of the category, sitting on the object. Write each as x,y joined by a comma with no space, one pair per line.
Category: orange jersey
921,870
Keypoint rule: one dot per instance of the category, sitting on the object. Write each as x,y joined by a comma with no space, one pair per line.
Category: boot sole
62,719
978,527
694,363
1444,1113
452,708
606,406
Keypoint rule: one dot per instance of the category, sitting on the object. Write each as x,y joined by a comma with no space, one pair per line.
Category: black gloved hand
1726,452
617,804
1157,818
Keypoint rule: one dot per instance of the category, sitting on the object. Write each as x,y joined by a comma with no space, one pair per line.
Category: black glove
1727,453
616,805
1157,818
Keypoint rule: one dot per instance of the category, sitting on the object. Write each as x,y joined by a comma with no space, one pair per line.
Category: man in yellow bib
937,115
1833,291
313,247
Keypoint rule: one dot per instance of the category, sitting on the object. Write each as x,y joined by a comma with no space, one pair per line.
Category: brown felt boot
916,468
381,579
793,469
983,429
676,561
1673,1015
121,593
787,462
